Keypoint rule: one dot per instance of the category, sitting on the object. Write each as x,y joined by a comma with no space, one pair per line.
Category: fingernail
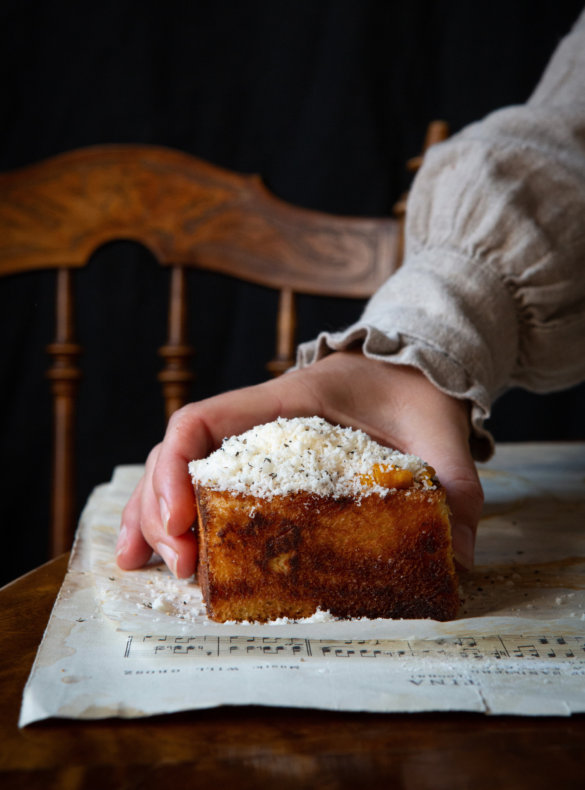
169,556
463,546
165,514
122,540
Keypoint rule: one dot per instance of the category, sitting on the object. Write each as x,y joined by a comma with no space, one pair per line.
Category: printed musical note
263,646
534,647
526,651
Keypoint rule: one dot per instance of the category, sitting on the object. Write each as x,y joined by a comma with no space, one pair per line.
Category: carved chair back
188,213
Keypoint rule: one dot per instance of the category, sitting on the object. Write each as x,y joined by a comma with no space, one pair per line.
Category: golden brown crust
262,559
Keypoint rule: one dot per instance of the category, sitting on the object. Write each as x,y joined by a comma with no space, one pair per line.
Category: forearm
492,290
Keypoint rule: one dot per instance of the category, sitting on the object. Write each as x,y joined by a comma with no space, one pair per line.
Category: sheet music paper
518,645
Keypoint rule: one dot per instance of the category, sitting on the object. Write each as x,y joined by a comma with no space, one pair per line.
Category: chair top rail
185,211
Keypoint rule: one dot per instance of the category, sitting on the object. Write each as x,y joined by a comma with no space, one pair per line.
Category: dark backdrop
326,100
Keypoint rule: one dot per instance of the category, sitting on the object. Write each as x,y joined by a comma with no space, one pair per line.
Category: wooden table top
257,747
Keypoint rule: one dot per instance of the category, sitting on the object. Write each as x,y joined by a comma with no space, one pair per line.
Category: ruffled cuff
451,318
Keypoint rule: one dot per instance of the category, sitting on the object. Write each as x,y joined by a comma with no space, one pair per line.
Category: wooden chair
57,213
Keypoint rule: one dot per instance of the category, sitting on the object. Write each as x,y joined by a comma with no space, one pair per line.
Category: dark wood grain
176,376
437,132
187,212
263,748
64,376
286,327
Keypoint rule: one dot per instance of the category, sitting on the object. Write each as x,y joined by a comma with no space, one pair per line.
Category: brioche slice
298,515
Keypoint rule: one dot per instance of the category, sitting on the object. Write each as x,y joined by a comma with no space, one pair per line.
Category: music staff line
210,648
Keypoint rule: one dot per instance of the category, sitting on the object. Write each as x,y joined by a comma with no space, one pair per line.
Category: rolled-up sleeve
491,293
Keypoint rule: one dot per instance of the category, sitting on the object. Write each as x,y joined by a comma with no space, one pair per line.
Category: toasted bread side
386,557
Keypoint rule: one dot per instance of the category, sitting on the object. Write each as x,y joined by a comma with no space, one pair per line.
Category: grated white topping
302,454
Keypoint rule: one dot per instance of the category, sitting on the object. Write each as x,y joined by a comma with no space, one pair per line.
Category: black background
326,100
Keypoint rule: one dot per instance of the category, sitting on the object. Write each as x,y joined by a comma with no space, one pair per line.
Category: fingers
447,450
162,510
132,550
395,405
193,432
199,428
401,408
465,499
179,552
143,531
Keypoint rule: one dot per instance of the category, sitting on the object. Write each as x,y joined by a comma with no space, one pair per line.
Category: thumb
465,500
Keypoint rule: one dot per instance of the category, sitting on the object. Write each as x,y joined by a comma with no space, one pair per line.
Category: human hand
395,405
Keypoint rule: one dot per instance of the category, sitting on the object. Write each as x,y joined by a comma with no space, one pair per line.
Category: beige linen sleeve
492,290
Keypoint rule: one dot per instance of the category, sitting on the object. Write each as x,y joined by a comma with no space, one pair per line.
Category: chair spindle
176,377
64,376
437,131
286,326
247,233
